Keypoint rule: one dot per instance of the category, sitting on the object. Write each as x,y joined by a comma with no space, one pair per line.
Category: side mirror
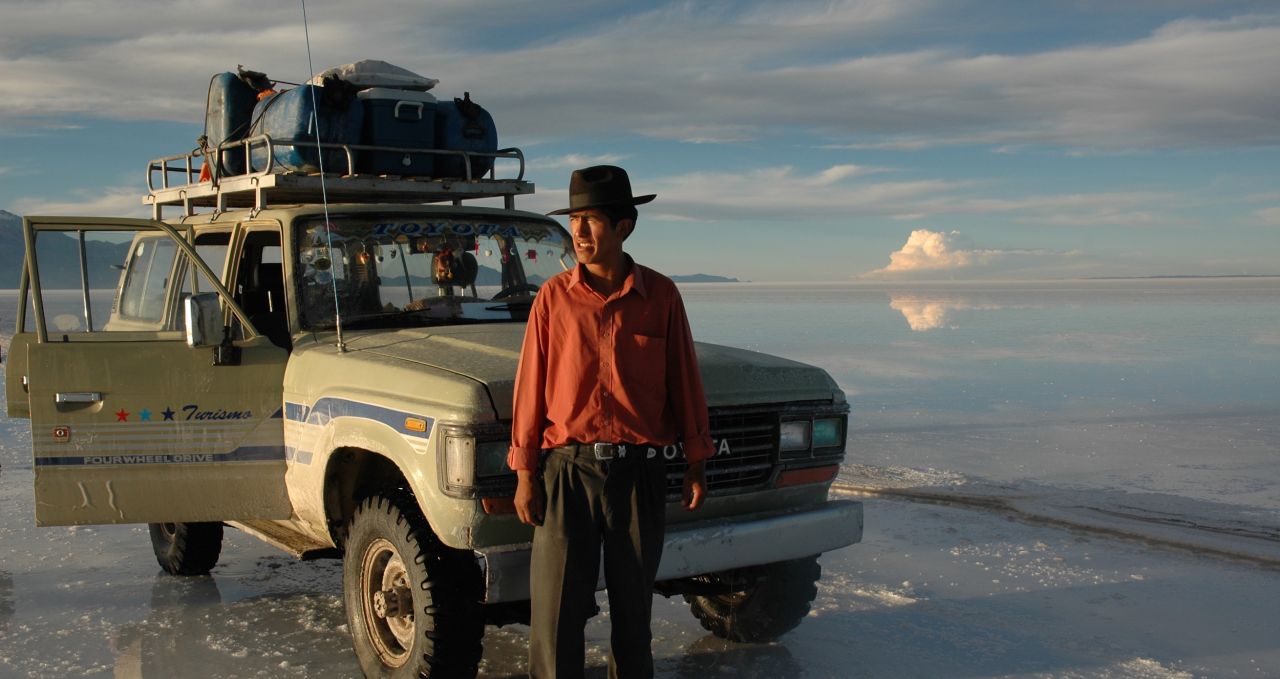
203,318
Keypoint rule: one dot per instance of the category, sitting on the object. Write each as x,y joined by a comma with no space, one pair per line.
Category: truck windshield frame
393,270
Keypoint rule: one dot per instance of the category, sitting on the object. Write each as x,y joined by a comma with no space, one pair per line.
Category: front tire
775,599
413,604
186,548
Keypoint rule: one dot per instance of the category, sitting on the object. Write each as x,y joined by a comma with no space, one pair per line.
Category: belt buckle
608,451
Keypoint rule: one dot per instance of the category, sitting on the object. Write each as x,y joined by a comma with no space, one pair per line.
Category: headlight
794,435
491,458
826,432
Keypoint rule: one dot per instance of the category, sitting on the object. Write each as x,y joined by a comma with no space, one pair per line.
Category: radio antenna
324,194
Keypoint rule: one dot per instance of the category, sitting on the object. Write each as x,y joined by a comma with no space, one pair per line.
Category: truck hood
490,353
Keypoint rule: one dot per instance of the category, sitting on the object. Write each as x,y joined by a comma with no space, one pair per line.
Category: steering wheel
515,290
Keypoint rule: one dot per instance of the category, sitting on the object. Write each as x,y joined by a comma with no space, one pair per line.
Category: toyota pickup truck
327,361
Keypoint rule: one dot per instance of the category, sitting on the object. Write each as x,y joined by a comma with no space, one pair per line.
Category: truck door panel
134,426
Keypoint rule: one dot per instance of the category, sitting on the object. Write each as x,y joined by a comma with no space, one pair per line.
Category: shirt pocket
642,361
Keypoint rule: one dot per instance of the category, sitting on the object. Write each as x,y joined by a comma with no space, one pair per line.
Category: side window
79,274
146,279
99,278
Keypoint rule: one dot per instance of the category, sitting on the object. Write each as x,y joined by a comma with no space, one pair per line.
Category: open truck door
129,423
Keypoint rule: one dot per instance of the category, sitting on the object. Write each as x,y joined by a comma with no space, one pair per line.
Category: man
607,377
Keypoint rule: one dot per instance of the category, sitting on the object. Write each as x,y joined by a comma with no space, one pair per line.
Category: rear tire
186,548
776,598
413,605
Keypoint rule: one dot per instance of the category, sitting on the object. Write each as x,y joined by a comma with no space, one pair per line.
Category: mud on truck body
335,377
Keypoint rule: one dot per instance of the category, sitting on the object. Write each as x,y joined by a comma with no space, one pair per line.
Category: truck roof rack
177,181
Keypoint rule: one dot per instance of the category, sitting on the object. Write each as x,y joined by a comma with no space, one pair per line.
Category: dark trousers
618,504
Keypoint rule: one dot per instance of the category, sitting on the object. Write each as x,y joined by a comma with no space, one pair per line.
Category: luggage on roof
373,73
287,117
402,119
463,125
228,112
366,103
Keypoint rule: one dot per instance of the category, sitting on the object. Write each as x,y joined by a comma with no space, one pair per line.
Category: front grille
747,463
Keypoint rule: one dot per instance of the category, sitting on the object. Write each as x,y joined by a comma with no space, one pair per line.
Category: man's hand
530,497
695,486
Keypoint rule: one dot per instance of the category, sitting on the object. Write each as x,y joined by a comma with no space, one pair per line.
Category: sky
787,141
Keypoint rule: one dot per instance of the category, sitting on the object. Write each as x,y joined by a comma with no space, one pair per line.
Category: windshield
413,270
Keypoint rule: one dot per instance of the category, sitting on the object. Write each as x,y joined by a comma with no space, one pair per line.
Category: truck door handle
77,397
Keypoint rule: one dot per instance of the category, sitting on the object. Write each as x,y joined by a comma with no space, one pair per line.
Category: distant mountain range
59,258
702,278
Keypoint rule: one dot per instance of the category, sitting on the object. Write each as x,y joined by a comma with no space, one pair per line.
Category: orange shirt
620,369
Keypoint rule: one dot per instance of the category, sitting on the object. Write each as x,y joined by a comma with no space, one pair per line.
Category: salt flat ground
1060,480
933,591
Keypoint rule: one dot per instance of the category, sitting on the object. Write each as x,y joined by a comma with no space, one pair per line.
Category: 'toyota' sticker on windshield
445,228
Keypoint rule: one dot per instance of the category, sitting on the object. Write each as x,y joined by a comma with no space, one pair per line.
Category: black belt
606,451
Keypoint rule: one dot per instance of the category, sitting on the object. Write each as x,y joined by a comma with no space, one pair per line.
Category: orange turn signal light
415,424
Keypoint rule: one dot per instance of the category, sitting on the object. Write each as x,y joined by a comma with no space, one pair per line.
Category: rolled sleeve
529,406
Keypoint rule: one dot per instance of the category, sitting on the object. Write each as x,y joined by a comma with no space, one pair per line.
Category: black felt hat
599,187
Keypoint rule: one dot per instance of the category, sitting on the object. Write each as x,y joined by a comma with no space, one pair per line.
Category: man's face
595,239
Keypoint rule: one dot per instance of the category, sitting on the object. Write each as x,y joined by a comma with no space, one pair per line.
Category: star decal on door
122,415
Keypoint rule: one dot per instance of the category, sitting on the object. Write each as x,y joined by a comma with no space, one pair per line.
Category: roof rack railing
220,191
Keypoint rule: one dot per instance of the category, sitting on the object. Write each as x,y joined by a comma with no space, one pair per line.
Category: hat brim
638,200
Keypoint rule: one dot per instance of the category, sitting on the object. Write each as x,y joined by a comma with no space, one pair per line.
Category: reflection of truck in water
335,377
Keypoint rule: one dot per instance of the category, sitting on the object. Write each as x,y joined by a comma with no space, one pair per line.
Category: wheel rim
387,602
169,530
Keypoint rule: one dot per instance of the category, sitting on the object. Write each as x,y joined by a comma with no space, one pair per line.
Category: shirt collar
633,281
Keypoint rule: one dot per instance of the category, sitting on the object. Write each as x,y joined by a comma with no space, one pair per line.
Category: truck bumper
703,547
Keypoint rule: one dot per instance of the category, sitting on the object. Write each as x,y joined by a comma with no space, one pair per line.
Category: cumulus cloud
699,72
927,250
932,253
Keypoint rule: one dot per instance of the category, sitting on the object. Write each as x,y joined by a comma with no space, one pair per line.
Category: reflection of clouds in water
930,312
921,315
